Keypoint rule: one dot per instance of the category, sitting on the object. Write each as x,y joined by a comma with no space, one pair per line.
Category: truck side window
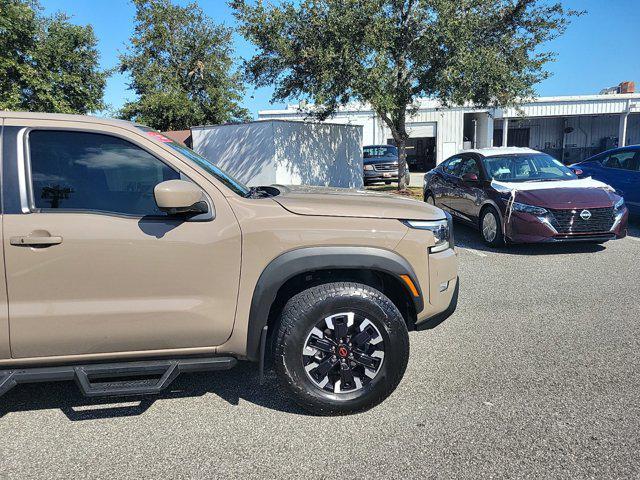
90,171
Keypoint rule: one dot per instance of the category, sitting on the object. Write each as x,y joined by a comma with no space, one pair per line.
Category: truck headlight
442,231
368,167
533,210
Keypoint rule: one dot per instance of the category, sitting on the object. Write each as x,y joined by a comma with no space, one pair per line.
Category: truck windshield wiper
258,192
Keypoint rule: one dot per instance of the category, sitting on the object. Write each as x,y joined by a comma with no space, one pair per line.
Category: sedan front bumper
527,228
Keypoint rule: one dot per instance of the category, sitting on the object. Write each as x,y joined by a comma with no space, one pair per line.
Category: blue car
619,168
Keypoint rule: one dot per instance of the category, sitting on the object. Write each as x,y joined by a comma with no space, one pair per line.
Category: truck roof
65,117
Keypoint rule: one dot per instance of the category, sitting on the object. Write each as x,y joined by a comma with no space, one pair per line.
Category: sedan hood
561,198
577,193
342,202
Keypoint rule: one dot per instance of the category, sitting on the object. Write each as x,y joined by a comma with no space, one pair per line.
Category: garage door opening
517,137
421,153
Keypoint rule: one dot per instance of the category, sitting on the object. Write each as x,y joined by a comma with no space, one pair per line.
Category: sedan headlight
619,205
533,210
368,167
442,231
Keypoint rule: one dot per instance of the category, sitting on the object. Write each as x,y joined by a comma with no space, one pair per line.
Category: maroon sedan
521,195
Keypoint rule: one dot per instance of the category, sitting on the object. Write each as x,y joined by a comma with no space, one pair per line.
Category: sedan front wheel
491,228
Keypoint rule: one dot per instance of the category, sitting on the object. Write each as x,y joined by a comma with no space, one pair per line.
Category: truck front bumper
436,319
373,176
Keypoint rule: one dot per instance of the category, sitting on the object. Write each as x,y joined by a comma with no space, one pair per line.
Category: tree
181,68
47,64
389,53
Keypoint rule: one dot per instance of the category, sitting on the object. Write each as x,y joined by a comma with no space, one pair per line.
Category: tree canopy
182,68
47,64
389,53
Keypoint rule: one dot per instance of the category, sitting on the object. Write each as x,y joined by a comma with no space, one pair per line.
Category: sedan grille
579,221
385,167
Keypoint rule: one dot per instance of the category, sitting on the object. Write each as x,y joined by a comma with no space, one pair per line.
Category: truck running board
116,379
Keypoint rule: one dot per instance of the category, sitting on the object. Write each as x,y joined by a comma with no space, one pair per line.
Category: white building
285,152
569,128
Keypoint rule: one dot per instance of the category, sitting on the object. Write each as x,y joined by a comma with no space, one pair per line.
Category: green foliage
389,53
47,64
181,67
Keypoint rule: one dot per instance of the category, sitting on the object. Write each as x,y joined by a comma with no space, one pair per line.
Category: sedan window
451,165
625,160
469,165
527,167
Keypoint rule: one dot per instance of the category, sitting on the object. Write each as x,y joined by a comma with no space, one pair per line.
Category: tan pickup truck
129,259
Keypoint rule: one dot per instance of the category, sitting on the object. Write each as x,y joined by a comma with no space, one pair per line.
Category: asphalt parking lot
536,375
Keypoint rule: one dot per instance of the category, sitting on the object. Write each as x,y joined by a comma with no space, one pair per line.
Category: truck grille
570,221
385,167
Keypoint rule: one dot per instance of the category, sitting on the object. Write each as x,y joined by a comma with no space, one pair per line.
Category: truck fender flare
308,259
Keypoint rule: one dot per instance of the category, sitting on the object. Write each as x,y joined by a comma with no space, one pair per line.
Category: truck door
92,265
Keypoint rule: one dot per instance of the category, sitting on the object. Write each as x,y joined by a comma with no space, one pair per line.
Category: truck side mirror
180,197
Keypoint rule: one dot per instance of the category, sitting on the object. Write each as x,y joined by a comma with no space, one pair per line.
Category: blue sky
600,49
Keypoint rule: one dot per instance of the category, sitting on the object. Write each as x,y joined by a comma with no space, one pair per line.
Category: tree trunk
402,162
398,129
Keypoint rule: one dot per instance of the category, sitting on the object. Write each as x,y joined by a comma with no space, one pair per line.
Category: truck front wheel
340,348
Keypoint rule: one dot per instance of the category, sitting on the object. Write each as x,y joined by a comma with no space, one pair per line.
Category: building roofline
432,103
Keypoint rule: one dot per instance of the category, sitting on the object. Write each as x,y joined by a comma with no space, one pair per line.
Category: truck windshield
235,185
527,167
380,151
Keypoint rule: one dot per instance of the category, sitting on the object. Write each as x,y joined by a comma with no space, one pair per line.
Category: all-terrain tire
304,311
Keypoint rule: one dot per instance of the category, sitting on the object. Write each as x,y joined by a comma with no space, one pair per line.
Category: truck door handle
35,241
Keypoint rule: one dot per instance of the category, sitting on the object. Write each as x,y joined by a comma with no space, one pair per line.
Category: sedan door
632,189
446,190
92,265
471,193
616,169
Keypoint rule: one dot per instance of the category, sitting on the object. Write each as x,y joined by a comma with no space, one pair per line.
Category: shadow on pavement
240,383
634,227
467,237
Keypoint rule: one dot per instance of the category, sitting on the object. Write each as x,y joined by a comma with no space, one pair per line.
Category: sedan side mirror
469,177
180,197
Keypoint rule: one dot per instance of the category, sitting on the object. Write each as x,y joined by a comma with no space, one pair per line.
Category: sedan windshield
380,151
526,167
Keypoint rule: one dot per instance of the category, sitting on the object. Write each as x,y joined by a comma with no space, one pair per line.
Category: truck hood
377,160
342,202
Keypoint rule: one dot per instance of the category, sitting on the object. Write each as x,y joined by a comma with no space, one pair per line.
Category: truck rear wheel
340,348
